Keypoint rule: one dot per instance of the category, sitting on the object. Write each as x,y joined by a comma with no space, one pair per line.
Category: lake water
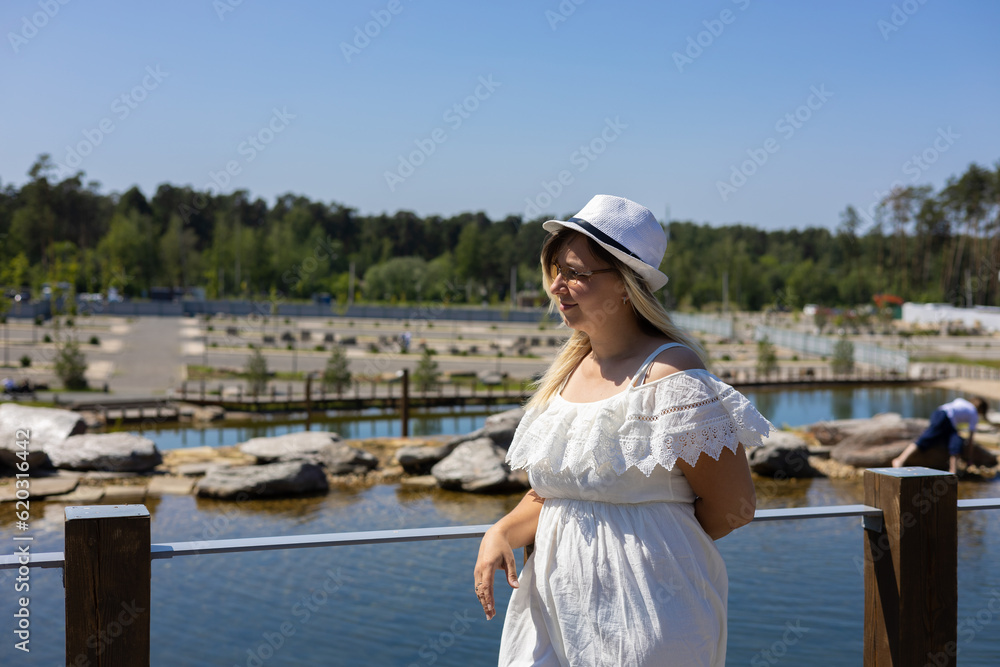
412,604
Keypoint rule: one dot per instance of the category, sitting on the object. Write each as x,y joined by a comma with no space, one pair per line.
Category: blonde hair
652,316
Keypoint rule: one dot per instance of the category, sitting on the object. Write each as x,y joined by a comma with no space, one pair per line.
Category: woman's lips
565,306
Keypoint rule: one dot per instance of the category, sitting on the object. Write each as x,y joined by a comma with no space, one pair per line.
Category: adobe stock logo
363,36
122,107
38,20
787,126
454,116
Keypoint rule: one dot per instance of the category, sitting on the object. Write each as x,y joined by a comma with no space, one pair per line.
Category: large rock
873,443
272,480
877,430
318,447
299,446
882,430
340,459
881,456
419,460
45,426
499,428
477,466
110,452
782,455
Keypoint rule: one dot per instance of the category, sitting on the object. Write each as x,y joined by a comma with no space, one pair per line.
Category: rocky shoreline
67,464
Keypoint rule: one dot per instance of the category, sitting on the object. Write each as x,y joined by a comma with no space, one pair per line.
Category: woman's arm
726,497
496,551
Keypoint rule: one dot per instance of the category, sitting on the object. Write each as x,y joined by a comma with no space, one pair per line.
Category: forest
915,243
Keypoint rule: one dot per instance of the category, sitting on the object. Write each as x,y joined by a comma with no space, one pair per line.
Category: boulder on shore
271,480
499,428
477,466
881,456
782,455
341,459
44,427
418,460
302,445
110,452
318,447
878,430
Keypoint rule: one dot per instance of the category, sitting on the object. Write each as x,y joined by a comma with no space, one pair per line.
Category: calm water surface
412,604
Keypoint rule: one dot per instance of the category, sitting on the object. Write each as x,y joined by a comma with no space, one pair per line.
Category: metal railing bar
169,550
979,504
43,560
822,512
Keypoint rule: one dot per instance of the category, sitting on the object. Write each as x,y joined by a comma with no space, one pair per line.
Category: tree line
921,245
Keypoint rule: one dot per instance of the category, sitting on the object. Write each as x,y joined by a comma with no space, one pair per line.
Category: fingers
510,567
484,591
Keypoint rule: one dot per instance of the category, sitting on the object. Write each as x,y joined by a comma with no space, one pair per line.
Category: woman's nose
558,283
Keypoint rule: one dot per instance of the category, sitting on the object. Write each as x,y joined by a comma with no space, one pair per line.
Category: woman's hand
495,553
726,497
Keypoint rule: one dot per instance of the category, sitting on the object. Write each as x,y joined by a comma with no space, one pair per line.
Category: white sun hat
627,230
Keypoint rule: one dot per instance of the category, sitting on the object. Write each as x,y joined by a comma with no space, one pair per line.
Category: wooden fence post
404,404
911,563
107,579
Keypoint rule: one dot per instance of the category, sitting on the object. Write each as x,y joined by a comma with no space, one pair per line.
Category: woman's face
588,302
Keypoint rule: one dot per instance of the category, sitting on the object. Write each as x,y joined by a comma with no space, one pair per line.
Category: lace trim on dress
679,416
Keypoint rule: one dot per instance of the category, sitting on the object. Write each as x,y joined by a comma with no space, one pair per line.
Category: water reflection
842,404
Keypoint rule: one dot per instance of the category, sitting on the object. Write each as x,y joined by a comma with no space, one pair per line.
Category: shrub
426,374
767,359
843,356
25,361
256,372
71,366
94,340
337,373
46,338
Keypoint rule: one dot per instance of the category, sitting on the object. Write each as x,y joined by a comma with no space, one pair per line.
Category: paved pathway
150,361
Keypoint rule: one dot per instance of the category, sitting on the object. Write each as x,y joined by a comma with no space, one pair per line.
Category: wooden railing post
107,579
911,563
404,404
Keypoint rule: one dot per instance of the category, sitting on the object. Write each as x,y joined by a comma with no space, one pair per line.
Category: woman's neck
613,344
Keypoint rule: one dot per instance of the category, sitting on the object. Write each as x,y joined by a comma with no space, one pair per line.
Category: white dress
622,572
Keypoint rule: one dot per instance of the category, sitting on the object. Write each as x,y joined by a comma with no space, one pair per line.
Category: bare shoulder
674,360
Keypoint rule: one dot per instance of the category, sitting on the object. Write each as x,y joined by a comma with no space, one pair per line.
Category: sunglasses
574,276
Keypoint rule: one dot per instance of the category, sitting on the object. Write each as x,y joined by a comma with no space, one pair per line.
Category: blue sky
796,108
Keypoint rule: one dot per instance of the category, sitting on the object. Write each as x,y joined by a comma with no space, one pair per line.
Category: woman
635,456
943,431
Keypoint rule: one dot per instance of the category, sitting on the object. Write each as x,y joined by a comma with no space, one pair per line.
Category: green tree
71,365
337,373
843,356
426,374
767,359
256,373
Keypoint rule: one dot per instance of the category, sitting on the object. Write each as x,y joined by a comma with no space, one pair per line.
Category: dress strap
640,375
